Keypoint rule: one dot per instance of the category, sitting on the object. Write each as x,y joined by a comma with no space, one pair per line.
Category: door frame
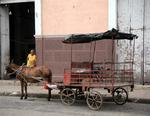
4,30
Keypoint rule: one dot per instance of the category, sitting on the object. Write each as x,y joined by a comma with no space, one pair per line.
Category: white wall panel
137,13
4,36
147,15
123,15
147,41
133,16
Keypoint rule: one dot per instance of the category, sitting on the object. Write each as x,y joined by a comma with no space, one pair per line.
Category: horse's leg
26,94
22,89
49,94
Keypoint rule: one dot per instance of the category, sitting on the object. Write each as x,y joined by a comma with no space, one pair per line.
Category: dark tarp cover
110,34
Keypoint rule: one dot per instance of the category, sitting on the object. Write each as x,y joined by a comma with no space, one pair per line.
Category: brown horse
31,75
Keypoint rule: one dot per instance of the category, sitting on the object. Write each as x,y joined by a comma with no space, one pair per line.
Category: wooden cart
85,78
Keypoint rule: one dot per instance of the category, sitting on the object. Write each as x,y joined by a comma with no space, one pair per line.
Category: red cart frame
83,77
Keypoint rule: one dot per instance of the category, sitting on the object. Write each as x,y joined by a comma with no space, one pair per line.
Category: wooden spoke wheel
94,100
67,96
120,96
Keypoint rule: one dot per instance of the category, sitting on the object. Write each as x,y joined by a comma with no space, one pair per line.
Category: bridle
19,72
16,71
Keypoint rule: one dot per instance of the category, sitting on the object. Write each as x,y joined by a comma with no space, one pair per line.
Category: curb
36,95
56,96
134,99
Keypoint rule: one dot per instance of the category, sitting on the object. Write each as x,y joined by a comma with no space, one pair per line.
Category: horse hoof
25,97
21,98
49,99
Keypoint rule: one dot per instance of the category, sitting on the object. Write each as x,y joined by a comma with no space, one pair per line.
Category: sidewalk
141,94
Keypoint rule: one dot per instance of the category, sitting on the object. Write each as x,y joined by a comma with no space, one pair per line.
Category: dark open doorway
22,30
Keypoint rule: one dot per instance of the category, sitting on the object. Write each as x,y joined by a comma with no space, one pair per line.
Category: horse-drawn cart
87,77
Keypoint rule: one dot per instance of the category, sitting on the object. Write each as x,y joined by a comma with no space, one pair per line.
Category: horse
30,75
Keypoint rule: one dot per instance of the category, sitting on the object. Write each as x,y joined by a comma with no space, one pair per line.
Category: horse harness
22,76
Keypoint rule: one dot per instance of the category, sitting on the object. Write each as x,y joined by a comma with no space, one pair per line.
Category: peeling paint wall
4,39
133,16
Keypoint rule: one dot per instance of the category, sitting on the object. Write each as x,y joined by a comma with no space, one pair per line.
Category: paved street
13,106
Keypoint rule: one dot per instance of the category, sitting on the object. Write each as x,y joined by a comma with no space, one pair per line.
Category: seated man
31,59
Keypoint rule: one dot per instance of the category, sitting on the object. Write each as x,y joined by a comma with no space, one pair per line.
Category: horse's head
12,67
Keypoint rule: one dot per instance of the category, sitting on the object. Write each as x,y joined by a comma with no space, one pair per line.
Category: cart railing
106,76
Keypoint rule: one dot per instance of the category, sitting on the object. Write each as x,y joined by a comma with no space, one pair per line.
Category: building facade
68,17
54,19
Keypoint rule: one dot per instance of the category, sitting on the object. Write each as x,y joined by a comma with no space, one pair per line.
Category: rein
18,71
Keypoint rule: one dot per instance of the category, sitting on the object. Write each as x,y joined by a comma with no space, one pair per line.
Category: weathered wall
4,38
133,16
61,17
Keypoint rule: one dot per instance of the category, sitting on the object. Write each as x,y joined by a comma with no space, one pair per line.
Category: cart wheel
67,96
120,96
94,100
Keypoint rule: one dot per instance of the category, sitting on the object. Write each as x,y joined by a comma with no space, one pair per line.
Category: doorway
21,30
